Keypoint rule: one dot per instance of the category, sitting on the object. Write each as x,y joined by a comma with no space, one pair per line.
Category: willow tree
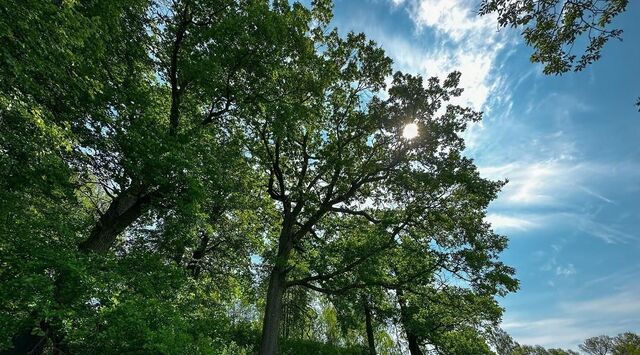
334,149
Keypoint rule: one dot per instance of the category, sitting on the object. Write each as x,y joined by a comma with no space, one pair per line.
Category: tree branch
176,89
355,213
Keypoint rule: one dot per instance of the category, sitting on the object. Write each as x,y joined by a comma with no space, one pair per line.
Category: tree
463,341
539,350
600,345
413,266
51,61
626,343
305,149
505,345
553,28
368,316
125,111
413,289
333,149
449,320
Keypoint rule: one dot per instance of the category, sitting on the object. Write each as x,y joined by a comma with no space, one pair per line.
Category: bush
296,347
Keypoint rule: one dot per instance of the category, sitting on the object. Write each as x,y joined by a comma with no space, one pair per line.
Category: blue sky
568,144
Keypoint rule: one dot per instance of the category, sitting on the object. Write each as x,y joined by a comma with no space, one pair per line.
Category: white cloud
554,181
504,223
536,183
625,302
552,194
566,270
547,331
519,221
575,320
620,277
462,41
552,185
607,232
454,18
597,195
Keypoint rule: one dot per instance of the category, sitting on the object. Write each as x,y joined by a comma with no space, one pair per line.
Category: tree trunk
273,312
412,339
275,293
125,209
414,346
369,326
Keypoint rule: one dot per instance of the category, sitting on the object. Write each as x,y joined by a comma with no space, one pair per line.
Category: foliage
464,341
293,347
600,345
553,28
539,350
625,343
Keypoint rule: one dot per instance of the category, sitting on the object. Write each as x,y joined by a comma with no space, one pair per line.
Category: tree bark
275,293
273,312
369,326
412,339
125,209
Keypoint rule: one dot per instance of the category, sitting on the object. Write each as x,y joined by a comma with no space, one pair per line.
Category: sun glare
410,131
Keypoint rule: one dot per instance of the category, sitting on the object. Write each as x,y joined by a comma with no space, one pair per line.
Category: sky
568,145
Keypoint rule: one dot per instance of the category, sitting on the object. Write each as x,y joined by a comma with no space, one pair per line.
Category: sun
410,131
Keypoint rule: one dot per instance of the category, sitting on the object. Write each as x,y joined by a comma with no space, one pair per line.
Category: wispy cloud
551,181
576,320
506,223
457,19
548,221
552,264
597,195
625,302
606,232
567,270
614,280
561,193
458,39
547,331
535,183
